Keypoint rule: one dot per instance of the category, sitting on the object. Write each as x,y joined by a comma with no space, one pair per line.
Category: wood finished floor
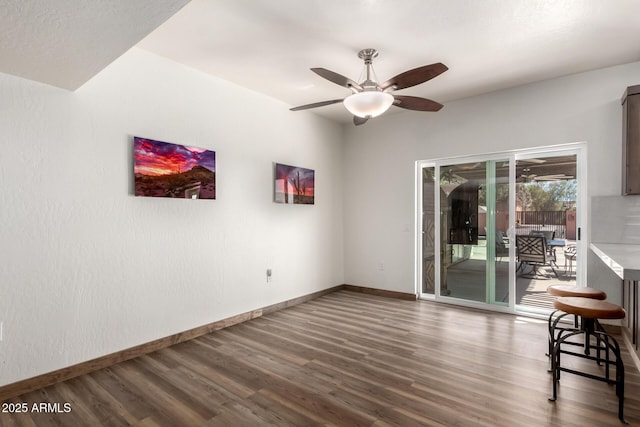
345,359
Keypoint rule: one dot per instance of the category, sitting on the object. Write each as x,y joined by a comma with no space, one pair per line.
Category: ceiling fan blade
415,103
415,76
336,78
556,177
315,104
537,161
359,120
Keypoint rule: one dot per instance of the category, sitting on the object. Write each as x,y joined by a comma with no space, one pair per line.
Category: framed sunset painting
163,169
294,185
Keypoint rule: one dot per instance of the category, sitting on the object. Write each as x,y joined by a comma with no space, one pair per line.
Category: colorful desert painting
294,185
162,169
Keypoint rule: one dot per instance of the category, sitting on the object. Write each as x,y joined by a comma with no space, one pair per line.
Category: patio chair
532,251
549,235
501,248
570,256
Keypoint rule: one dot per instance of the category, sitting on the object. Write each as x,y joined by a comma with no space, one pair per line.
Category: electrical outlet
268,274
380,266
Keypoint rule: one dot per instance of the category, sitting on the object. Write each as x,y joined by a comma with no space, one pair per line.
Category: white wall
88,269
380,159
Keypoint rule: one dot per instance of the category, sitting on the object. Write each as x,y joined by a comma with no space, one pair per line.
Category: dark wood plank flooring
345,359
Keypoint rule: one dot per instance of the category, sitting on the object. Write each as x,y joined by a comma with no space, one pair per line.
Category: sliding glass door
474,218
548,204
470,212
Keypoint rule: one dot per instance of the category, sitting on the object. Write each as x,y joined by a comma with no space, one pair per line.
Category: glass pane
428,230
463,251
474,199
546,195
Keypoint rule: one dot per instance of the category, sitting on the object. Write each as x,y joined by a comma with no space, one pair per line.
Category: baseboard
630,346
50,378
381,292
300,300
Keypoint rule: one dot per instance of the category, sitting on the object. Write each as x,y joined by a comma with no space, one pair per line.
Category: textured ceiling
269,45
65,43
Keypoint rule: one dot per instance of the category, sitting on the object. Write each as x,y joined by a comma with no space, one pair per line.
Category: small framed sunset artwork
163,169
294,185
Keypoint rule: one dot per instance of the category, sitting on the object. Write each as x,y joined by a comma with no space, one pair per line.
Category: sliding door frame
579,149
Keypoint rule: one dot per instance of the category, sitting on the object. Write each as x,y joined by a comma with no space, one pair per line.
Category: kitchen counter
623,259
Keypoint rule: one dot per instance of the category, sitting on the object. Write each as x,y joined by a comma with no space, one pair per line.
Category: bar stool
576,291
554,317
589,310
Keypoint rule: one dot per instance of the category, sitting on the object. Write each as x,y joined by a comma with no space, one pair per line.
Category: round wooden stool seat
576,291
589,308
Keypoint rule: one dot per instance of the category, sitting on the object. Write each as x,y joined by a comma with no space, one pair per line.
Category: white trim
574,148
417,274
512,233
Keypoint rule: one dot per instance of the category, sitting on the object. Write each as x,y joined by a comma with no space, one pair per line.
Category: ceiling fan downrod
367,56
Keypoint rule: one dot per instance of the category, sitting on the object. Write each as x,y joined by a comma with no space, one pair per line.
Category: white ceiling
66,42
269,45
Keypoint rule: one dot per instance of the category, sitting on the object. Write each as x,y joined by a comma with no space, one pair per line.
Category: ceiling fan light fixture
371,99
368,104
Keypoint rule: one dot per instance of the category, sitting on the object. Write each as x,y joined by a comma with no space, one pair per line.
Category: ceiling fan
555,177
370,98
528,177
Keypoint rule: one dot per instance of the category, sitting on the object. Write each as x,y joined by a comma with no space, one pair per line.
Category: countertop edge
609,253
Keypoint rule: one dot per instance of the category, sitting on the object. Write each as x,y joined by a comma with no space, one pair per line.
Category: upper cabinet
631,141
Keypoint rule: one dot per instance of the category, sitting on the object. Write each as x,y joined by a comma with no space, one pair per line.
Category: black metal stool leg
610,344
587,327
615,347
554,373
598,327
554,329
607,361
555,359
620,391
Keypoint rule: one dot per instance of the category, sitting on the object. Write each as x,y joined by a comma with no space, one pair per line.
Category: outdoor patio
466,279
532,292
